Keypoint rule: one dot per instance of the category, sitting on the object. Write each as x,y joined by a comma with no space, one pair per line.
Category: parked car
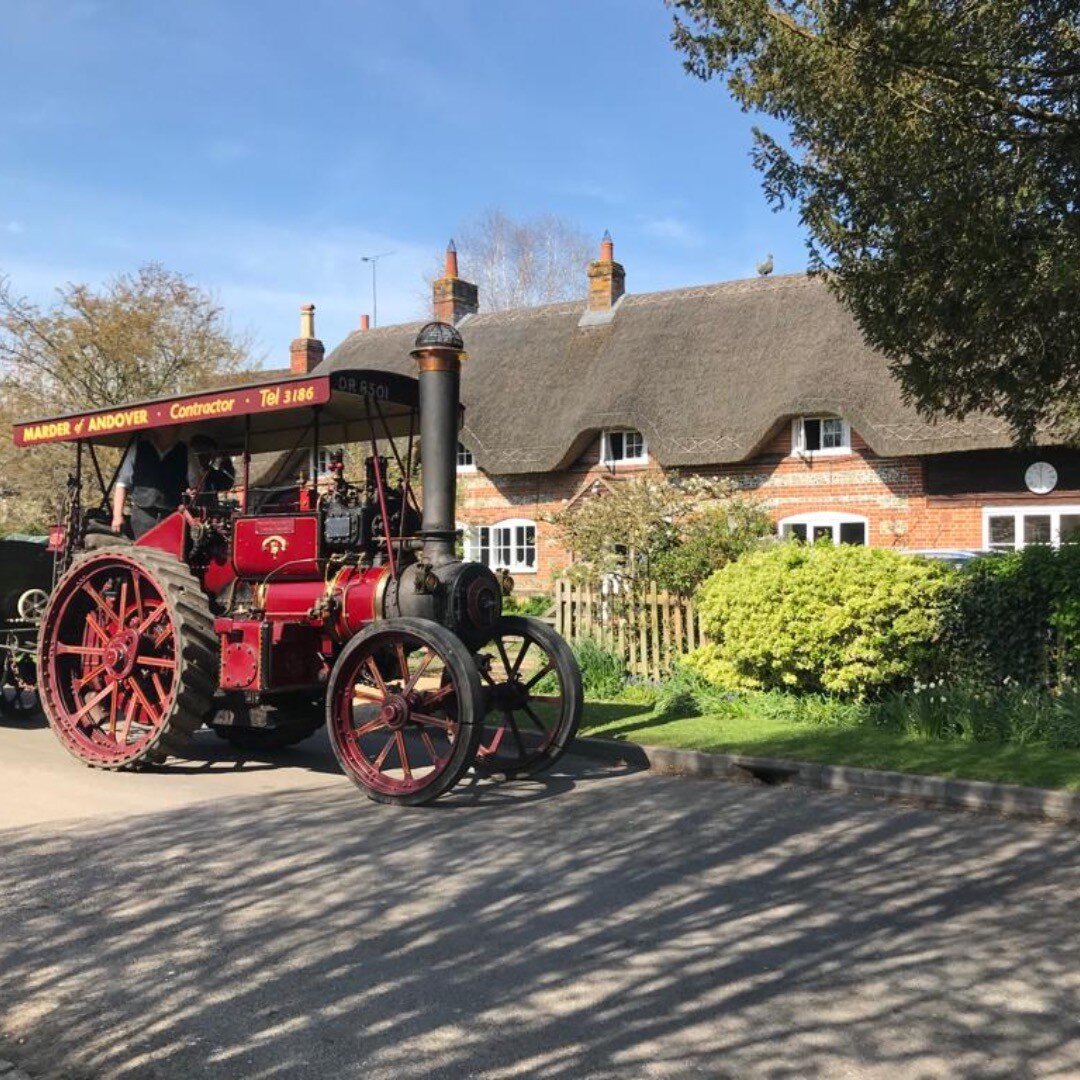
958,557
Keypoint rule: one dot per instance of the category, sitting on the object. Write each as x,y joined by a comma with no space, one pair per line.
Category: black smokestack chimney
438,353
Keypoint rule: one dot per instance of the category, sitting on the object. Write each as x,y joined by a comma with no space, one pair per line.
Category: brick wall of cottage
889,492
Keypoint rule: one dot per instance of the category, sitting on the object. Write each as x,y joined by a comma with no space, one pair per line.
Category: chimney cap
452,246
606,238
438,335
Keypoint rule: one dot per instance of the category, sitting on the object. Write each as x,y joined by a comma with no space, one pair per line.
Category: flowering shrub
845,620
671,530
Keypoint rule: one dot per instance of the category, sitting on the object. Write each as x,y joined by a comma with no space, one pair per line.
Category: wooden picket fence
650,629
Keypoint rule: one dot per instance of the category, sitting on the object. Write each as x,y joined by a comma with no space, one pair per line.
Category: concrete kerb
1008,800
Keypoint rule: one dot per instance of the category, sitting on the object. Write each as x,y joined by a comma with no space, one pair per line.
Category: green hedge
846,620
1016,619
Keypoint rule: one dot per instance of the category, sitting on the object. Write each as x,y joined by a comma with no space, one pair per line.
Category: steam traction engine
297,605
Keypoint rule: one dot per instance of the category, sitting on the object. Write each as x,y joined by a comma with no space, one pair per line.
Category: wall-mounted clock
1041,478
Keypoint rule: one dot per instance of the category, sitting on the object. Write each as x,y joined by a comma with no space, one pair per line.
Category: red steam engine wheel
532,686
127,657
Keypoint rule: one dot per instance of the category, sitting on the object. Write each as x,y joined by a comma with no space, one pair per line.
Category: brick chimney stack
365,322
607,278
306,351
452,298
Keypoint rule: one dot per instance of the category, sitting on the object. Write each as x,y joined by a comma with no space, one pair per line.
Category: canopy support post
247,464
380,491
119,465
100,477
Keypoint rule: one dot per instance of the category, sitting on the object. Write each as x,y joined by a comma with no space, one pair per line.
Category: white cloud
263,273
608,194
14,228
672,230
260,273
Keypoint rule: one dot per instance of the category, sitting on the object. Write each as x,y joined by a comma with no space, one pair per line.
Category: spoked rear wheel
127,658
403,711
534,698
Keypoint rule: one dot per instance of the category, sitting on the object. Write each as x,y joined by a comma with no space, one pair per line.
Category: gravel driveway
261,919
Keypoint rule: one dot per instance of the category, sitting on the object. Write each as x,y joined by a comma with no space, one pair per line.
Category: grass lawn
864,744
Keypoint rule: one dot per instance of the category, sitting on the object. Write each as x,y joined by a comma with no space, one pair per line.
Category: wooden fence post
650,628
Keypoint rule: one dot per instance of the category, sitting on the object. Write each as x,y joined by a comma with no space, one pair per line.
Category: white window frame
468,466
322,474
821,518
513,563
1055,512
798,438
612,462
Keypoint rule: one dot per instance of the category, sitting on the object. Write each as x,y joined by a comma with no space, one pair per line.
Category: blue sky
264,147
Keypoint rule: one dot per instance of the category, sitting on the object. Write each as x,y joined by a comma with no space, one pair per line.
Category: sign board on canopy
270,416
180,410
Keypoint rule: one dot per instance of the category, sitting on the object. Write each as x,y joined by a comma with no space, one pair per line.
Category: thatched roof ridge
706,373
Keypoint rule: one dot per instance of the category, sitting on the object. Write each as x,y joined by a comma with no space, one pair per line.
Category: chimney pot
365,322
451,266
307,320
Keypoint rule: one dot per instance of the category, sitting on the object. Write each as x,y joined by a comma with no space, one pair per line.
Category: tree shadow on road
211,756
633,926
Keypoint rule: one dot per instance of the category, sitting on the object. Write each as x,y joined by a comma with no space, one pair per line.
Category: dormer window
820,435
465,460
623,447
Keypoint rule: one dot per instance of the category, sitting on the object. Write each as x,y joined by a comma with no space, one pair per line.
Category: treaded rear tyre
128,658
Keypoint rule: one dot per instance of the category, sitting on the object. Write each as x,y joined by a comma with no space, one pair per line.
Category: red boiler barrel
357,593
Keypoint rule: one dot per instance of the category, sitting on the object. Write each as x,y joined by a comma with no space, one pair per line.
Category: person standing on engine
215,470
156,471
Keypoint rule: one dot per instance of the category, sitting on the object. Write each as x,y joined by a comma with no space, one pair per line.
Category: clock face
1041,478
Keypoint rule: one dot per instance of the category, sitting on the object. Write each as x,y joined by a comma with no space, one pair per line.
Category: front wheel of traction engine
403,711
127,658
534,698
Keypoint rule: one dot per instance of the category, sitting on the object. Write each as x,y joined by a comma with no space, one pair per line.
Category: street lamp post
374,260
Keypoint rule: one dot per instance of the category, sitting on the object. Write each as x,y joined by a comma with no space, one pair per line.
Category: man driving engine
156,471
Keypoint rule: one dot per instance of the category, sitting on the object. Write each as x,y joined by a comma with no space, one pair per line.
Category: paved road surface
262,920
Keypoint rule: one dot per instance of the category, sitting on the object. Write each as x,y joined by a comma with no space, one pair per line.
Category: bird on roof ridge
766,268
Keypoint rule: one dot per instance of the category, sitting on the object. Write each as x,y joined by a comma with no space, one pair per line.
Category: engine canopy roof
352,405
